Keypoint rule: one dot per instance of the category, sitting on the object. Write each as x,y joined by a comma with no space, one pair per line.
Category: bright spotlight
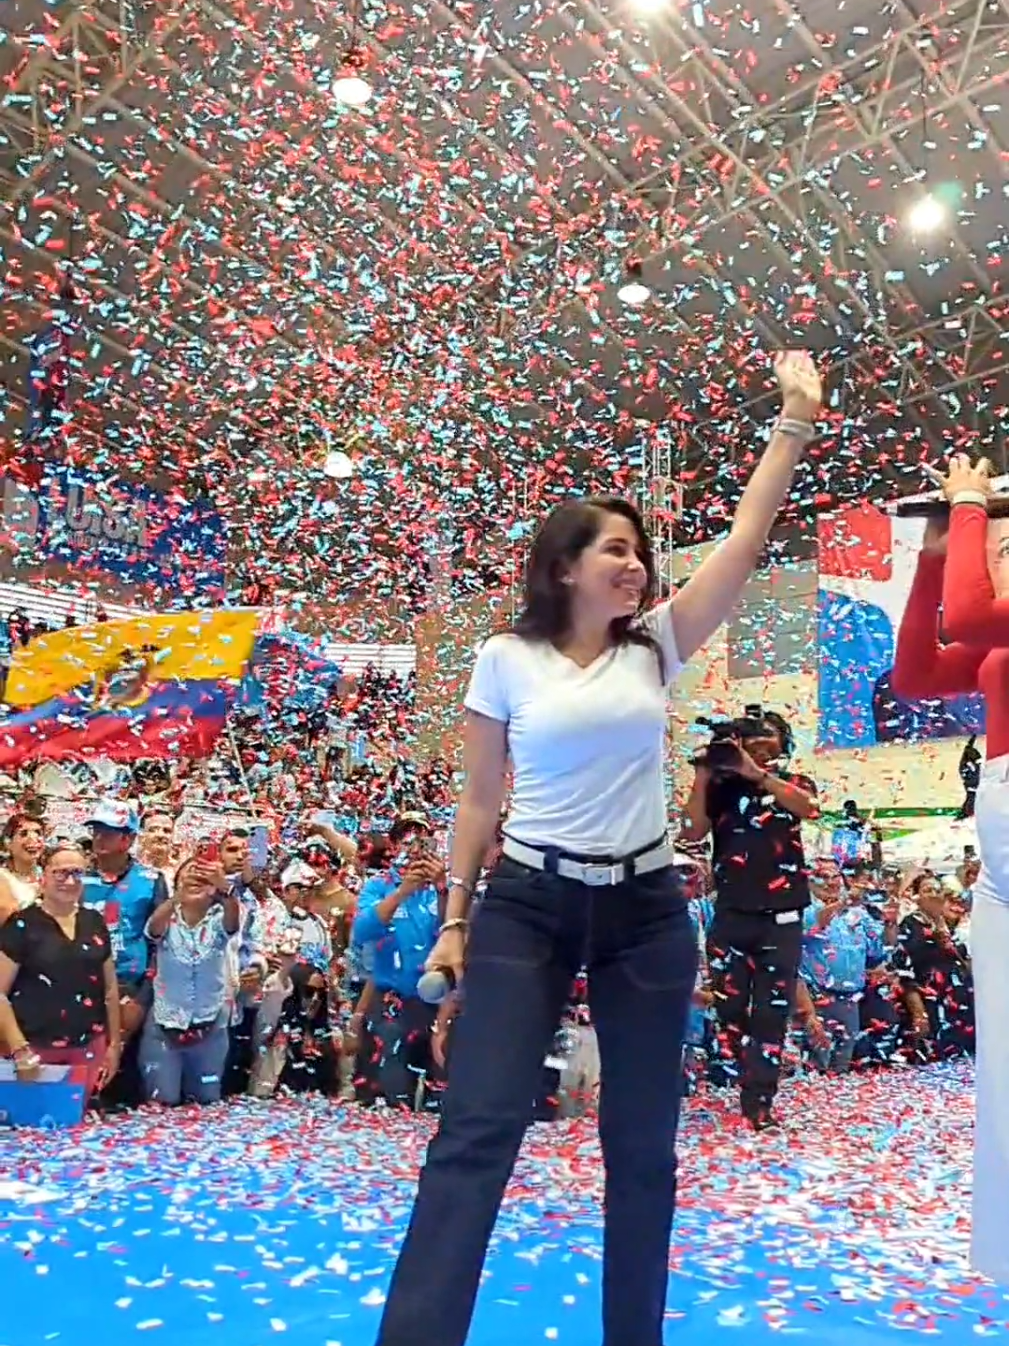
337,465
926,215
352,90
634,294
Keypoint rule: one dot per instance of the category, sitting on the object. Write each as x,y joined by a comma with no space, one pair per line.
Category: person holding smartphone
185,1041
398,916
248,965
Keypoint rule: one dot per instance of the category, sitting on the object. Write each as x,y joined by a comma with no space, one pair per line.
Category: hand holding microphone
443,968
436,984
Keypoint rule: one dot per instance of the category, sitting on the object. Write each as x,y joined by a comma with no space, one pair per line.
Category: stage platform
277,1223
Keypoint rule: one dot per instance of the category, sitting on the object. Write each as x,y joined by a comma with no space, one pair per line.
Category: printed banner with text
92,525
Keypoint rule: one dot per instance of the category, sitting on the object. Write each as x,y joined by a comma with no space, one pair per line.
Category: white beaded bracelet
795,429
970,498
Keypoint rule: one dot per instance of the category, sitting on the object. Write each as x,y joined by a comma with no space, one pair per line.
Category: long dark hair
560,540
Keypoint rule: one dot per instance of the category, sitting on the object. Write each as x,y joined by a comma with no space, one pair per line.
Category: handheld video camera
721,753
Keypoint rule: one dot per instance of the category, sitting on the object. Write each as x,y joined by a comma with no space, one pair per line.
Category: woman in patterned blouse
185,1042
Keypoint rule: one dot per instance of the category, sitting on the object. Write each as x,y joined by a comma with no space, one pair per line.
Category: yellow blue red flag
146,687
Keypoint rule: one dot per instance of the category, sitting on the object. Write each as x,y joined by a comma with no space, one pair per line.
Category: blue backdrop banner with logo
96,525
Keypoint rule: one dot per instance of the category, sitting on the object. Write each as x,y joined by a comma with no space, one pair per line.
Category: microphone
436,985
933,504
930,506
937,507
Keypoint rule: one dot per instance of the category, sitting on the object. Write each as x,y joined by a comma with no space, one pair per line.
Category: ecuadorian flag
148,687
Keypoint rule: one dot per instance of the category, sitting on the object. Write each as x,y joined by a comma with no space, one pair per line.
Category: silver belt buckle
597,876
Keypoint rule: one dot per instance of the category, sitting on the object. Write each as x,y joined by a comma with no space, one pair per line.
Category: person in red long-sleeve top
967,650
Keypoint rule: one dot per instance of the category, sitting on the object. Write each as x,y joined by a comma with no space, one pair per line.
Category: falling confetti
261,276
285,1218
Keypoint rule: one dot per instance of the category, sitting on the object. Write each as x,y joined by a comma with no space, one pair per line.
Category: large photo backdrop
866,565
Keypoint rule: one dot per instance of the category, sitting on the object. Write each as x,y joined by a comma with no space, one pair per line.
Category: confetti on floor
252,1222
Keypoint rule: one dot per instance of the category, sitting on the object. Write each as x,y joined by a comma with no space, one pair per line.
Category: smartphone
259,847
208,851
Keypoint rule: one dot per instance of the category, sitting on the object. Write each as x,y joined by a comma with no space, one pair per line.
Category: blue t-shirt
399,949
127,904
836,958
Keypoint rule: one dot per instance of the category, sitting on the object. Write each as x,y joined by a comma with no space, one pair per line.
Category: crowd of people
232,948
285,952
883,977
193,973
344,754
201,967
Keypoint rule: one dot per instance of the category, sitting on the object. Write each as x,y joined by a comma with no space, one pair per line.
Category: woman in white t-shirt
575,695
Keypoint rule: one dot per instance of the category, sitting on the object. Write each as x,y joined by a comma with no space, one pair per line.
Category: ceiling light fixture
337,465
351,86
927,215
634,292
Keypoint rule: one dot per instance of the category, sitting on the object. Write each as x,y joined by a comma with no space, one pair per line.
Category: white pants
270,1055
990,958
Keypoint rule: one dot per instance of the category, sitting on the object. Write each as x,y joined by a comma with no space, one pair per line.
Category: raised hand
212,873
801,386
963,476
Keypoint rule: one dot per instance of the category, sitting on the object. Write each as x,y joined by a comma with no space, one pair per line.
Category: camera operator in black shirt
753,810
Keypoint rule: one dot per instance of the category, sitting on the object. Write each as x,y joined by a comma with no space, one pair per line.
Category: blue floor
253,1223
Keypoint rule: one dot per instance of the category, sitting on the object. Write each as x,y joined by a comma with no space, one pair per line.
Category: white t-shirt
586,743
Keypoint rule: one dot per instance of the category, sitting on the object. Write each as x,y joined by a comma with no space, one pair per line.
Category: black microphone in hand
435,985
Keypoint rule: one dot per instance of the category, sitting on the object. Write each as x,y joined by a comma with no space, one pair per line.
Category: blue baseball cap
116,816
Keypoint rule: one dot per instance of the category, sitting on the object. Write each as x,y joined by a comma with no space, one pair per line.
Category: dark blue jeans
532,934
839,1015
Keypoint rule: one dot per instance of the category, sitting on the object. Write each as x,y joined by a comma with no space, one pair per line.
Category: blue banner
95,525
